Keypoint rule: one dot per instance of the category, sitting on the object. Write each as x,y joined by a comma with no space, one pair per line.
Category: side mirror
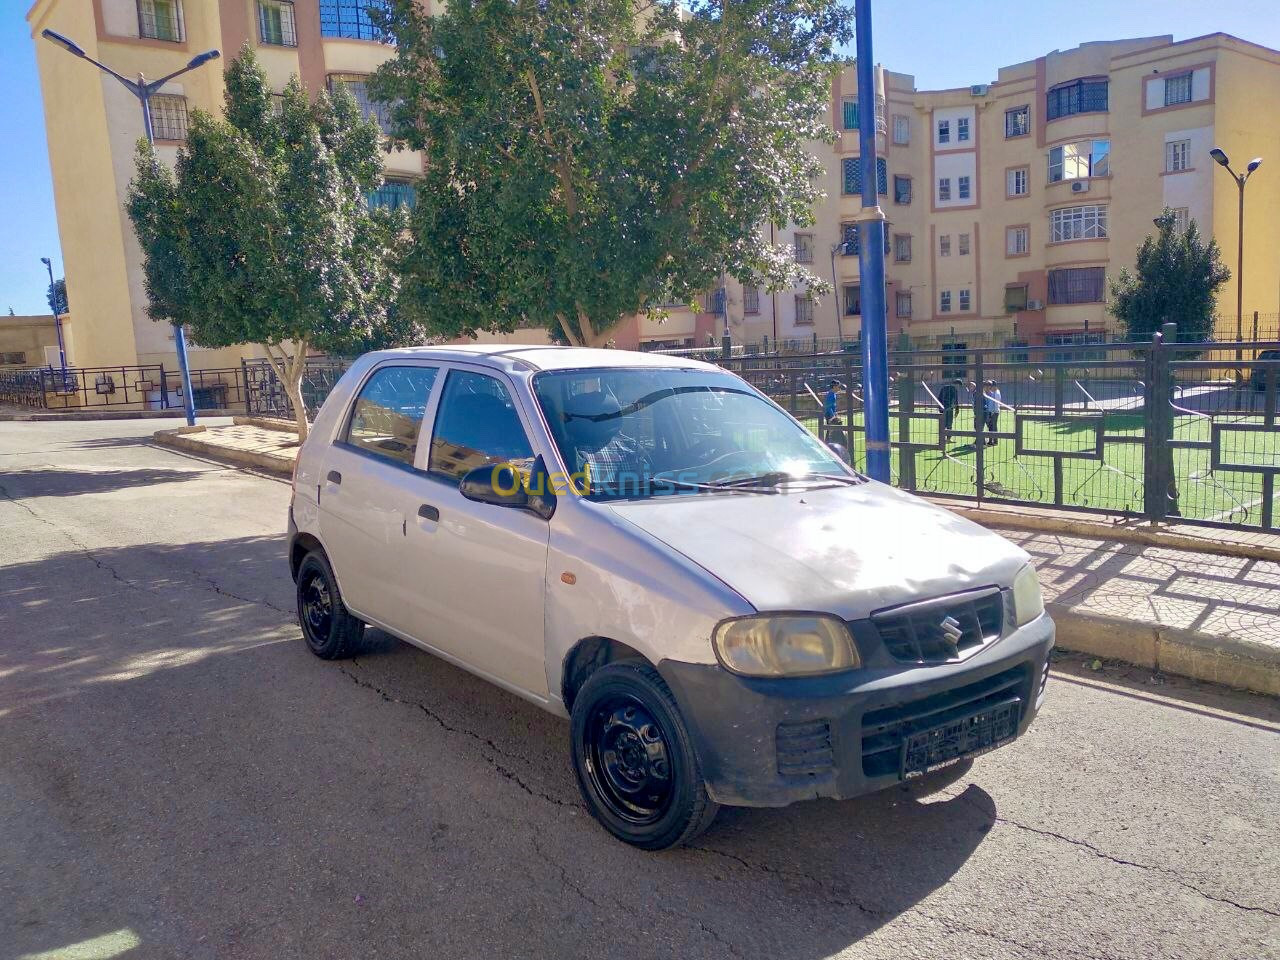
841,451
498,484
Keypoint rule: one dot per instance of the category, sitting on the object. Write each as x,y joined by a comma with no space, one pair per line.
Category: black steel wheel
330,631
634,760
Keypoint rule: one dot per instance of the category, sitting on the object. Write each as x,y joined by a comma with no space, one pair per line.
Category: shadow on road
27,484
179,767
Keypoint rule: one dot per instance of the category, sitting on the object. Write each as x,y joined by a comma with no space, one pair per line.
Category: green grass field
1114,482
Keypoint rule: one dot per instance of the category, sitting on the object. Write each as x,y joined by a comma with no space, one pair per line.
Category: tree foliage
56,294
262,232
1176,281
587,157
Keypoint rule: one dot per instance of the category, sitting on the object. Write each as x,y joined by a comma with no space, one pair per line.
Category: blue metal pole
875,346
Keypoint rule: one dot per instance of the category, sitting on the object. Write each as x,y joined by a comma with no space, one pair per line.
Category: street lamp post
144,91
1220,158
57,320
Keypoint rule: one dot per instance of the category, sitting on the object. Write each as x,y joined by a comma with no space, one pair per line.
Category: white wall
955,166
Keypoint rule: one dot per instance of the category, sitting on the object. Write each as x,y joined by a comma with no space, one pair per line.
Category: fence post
164,389
906,448
1255,334
244,379
1157,458
726,345
979,426
1059,398
848,407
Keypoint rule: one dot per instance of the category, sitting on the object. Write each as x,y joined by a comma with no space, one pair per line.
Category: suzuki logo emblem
951,630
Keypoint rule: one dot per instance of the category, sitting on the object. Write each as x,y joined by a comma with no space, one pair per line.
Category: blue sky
944,43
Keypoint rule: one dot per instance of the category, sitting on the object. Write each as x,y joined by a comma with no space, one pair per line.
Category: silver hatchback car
724,610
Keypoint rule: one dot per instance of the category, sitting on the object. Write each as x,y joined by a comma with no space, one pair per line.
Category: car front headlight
1027,601
785,645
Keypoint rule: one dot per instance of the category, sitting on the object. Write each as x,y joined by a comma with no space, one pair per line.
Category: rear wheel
634,758
330,631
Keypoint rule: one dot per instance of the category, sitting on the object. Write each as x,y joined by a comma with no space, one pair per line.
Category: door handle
334,477
428,512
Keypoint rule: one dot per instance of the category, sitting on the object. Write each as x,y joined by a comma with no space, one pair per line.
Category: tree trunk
290,371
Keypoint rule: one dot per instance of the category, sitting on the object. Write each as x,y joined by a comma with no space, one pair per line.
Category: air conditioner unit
1080,186
1035,304
979,89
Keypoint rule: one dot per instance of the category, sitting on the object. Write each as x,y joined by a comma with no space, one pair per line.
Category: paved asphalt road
180,778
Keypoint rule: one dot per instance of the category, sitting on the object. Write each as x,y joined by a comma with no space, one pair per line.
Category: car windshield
638,432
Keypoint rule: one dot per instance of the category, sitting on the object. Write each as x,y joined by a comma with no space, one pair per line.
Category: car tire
330,631
634,758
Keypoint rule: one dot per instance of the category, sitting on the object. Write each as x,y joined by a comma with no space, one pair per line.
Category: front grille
942,630
804,749
885,730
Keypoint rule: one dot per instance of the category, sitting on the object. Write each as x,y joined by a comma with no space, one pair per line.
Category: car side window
476,425
387,415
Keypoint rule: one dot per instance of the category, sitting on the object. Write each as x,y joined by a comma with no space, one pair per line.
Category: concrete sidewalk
1189,601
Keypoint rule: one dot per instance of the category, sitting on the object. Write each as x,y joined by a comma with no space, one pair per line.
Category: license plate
957,740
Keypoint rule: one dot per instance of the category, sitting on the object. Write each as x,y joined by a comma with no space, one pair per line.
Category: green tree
56,294
1176,281
586,158
262,233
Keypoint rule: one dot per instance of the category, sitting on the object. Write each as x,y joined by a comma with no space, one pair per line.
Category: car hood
845,550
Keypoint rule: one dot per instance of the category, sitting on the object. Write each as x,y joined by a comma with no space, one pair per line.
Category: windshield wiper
776,478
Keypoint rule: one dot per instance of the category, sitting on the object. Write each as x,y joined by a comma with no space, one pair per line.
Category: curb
266,423
110,415
1187,653
265,462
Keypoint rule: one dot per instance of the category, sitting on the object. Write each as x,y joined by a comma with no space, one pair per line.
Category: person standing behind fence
991,401
830,403
949,397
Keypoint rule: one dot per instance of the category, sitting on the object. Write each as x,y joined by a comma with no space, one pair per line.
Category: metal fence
264,394
50,388
1163,431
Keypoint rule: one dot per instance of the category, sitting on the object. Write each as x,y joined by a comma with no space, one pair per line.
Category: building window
169,117
804,248
852,170
1078,96
901,189
1076,341
1078,223
963,188
944,131
1181,219
1177,89
852,300
275,23
1077,285
804,310
902,303
713,301
392,195
944,301
944,245
1017,241
849,239
850,114
964,300
1015,297
160,20
962,129
350,19
18,358
944,188
1017,182
901,129
902,247
750,300
1076,161
357,84
1017,122
1177,156
964,245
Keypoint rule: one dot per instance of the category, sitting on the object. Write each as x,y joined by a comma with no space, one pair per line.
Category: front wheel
330,631
634,758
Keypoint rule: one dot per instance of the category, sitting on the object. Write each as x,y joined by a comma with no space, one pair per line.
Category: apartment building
93,125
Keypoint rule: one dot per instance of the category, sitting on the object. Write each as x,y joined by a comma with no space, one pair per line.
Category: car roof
519,357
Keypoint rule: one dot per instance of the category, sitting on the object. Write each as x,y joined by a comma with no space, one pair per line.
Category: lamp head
1254,164
1218,156
64,42
45,261
203,58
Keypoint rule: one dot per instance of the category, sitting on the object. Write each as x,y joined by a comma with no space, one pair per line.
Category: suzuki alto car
724,610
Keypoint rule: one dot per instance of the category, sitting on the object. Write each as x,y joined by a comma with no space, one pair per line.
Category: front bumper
771,742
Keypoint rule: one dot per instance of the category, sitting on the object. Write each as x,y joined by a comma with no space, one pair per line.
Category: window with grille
17,358
902,247
357,84
1177,156
350,20
1077,341
962,188
964,300
1015,297
1078,223
804,310
849,239
852,300
944,301
1017,122
1017,241
160,20
1017,181
902,303
392,195
1077,285
852,170
944,245
1177,89
750,300
901,129
168,117
804,248
850,114
962,129
963,244
276,24
944,131
1181,219
1078,96
944,188
901,189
